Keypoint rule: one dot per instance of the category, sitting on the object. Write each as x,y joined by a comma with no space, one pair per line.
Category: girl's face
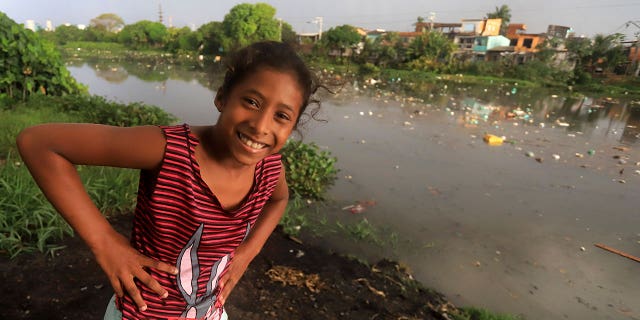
258,114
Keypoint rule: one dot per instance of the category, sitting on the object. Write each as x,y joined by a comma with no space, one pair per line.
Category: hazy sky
586,17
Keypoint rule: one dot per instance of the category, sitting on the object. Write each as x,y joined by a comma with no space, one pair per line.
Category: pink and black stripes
173,204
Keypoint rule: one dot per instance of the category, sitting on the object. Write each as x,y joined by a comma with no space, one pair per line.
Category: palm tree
504,13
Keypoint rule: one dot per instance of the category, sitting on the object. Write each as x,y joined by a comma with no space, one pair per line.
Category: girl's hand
122,264
232,275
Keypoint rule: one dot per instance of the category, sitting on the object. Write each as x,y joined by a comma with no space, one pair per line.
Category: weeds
310,172
303,216
472,313
28,222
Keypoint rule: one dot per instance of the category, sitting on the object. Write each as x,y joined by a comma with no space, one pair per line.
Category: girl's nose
261,123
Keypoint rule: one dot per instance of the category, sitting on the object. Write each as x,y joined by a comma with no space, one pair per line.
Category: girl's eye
283,116
251,102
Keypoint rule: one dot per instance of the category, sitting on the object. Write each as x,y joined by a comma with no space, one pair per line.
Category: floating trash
493,140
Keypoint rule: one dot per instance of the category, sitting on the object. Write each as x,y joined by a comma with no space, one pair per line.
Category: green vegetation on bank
30,65
28,222
471,313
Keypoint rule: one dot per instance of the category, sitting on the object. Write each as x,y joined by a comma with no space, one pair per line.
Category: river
510,228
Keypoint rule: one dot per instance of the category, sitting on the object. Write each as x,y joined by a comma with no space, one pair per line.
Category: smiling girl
208,197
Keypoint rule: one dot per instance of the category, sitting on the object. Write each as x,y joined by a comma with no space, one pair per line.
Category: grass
28,222
472,313
306,217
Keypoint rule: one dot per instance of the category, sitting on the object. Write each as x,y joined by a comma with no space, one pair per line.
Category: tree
182,39
341,37
212,36
432,47
109,22
247,23
143,34
503,12
385,51
64,34
287,34
608,51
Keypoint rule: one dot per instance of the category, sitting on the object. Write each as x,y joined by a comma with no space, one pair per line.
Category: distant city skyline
585,17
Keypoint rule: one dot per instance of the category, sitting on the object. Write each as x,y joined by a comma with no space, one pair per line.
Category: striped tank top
180,221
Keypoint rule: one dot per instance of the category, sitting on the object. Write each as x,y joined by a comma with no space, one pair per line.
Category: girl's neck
216,152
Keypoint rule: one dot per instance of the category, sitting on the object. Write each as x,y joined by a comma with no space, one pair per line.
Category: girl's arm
51,152
249,249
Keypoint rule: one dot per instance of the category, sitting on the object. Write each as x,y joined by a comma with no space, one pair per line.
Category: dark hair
279,56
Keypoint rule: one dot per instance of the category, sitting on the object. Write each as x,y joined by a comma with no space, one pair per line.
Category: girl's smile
251,143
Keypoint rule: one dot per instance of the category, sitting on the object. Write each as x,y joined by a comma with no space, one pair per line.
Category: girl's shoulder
197,131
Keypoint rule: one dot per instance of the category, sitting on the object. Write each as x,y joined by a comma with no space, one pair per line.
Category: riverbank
287,280
601,85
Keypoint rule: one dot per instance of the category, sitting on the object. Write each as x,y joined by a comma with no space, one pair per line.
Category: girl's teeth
252,144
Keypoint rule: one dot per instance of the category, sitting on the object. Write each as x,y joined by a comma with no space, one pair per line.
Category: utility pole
432,17
280,26
318,20
160,12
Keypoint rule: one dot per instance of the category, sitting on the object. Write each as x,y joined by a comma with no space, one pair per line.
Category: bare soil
288,280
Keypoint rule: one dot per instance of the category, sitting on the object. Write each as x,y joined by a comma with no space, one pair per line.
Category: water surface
508,227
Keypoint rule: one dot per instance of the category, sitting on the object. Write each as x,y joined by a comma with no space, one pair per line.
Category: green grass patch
28,222
472,313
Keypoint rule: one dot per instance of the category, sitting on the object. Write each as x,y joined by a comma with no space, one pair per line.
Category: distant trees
602,53
109,22
341,37
143,34
64,34
430,51
212,37
182,40
384,51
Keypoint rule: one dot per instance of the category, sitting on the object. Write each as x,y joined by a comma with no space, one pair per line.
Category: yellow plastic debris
493,140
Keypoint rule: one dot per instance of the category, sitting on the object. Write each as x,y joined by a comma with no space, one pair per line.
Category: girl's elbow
27,141
24,140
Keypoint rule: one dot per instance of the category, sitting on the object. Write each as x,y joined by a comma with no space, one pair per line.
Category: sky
585,17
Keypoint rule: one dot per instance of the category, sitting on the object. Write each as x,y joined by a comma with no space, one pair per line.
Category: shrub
96,109
30,65
309,171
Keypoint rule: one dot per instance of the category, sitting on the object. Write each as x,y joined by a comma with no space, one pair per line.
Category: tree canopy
143,34
341,37
247,23
109,22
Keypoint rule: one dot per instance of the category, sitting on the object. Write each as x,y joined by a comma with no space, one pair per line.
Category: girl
208,198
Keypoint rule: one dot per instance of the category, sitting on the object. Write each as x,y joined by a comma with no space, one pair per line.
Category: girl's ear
219,101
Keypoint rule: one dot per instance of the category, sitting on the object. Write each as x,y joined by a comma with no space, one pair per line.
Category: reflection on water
185,91
481,104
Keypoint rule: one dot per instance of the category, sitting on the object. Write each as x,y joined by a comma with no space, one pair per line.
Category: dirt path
288,280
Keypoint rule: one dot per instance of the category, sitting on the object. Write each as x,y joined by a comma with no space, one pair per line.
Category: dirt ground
288,280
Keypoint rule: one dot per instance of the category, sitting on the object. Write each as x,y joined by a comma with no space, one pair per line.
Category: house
524,42
472,28
561,32
448,29
488,48
475,37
